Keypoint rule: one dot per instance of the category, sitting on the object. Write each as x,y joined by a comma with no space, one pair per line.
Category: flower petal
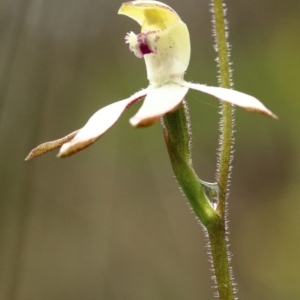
234,97
159,101
98,124
49,146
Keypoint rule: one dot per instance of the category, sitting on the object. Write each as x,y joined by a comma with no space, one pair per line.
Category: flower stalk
176,130
178,139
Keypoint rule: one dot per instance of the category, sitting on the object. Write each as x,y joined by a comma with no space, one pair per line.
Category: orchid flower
164,43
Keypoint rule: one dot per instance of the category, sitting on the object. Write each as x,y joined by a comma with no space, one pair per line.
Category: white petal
159,101
98,124
234,97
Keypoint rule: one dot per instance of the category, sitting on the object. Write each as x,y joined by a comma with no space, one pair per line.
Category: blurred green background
111,222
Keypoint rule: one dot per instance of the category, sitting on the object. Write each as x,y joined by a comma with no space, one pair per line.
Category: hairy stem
218,235
178,140
176,129
219,254
226,122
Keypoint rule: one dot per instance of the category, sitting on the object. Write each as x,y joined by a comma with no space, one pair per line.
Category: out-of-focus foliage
110,222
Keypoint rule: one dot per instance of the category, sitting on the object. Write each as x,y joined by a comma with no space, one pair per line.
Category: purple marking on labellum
145,49
143,43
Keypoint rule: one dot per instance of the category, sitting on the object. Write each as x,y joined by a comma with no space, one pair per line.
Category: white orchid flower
164,43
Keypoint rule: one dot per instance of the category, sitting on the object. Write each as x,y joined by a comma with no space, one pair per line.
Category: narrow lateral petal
49,146
98,124
159,101
234,97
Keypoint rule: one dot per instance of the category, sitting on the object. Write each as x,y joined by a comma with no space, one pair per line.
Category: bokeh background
110,222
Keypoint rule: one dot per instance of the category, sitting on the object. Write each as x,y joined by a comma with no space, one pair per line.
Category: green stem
178,140
177,135
226,123
218,235
219,253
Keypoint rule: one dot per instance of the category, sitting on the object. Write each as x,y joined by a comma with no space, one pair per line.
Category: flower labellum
164,43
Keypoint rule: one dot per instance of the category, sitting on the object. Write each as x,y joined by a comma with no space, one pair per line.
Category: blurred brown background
110,222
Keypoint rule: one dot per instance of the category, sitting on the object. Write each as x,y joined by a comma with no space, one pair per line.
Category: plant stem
177,135
219,254
176,129
226,122
217,233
